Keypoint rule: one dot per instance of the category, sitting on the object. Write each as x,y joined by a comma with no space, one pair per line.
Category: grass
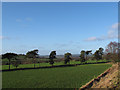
4,67
62,77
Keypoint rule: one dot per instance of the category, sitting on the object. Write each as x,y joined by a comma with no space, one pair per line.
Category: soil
110,80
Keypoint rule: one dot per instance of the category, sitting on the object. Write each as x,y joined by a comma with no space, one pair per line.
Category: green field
46,64
62,77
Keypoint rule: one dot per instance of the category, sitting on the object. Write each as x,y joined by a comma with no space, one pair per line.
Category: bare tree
112,51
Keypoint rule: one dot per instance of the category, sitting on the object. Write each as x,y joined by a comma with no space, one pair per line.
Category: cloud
94,39
3,37
91,39
28,19
18,20
111,34
115,26
25,19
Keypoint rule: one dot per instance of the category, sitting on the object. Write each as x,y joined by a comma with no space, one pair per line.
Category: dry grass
110,80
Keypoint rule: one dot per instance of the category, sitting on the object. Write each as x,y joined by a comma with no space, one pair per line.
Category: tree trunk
9,64
101,56
34,63
86,57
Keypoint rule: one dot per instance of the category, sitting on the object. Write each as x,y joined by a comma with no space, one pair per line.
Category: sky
61,26
60,0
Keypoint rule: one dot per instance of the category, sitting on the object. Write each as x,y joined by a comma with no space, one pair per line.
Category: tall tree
82,56
51,57
67,57
101,52
112,50
112,47
32,54
9,56
87,53
97,55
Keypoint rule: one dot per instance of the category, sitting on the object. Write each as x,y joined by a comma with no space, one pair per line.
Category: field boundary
55,66
90,83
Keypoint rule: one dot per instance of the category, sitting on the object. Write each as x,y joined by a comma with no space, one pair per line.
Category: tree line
111,53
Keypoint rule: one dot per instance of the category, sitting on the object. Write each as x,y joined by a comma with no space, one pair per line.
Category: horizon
60,26
56,52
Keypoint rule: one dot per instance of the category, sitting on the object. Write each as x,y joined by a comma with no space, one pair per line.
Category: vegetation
101,52
87,53
67,57
82,56
32,54
98,54
32,57
113,51
52,56
9,56
65,77
5,67
16,62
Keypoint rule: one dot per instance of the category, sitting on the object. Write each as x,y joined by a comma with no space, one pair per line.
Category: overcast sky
64,27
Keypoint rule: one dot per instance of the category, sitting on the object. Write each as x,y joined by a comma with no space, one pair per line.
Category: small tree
82,56
32,54
51,57
9,56
67,57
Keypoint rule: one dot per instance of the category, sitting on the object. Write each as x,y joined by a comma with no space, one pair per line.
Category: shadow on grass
55,66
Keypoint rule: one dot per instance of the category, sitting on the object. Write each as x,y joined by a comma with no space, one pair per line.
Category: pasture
4,67
61,77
